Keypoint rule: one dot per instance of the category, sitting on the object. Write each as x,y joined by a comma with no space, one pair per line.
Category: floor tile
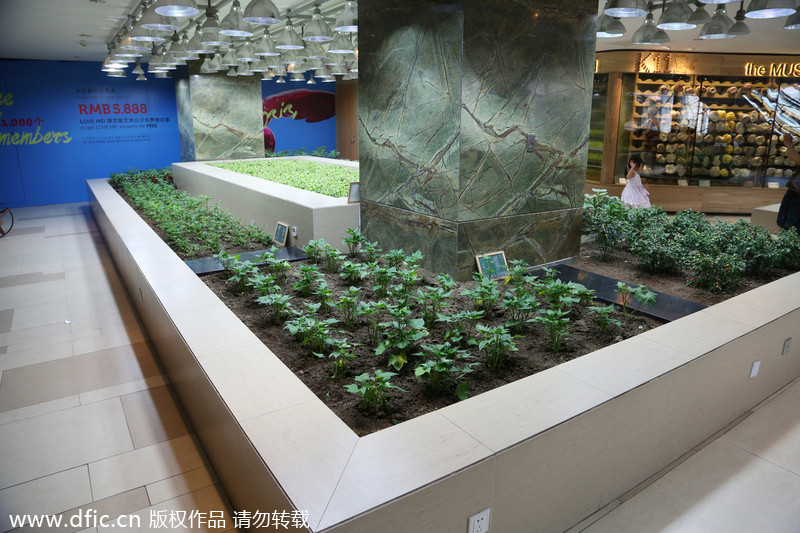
42,382
6,417
38,354
179,485
773,431
146,465
45,495
109,337
50,443
721,489
125,388
120,504
27,279
153,416
6,319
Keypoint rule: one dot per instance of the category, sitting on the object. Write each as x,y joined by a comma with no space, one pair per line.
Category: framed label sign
281,233
354,195
492,265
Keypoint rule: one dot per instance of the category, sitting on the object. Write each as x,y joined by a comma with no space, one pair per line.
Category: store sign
789,70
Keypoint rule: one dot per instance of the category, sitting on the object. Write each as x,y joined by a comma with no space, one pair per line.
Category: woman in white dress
635,194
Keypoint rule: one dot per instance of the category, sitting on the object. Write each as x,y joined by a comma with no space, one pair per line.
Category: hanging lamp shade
153,21
280,80
205,68
232,72
793,22
297,76
216,62
138,69
195,44
648,33
140,34
244,70
229,59
676,17
769,9
261,12
341,45
718,26
311,81
246,53
289,40
129,44
322,73
609,27
720,1
317,29
108,65
233,24
162,74
347,21
739,27
116,73
141,77
268,75
259,66
700,15
266,46
209,31
626,8
177,8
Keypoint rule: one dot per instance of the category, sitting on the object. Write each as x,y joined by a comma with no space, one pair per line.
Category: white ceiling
78,30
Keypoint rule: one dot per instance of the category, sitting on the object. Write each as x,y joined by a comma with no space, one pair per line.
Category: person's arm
791,153
631,173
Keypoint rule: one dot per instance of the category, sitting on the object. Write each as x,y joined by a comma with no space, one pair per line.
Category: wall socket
479,522
294,231
787,344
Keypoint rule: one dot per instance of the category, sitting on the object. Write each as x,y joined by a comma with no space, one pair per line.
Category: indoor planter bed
309,215
542,453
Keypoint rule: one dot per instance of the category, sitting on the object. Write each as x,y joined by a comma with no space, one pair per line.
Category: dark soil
534,346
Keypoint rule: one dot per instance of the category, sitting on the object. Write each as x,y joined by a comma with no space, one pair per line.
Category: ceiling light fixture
289,40
793,22
718,26
770,9
233,23
648,33
626,8
609,27
153,21
347,21
739,27
177,8
261,12
676,17
317,29
266,46
700,15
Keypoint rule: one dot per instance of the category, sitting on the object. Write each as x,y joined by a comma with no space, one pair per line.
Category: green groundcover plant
714,256
328,179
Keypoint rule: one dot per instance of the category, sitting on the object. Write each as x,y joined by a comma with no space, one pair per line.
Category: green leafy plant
280,304
445,368
461,325
484,295
370,312
354,273
241,272
603,318
430,302
382,277
371,252
395,258
309,278
606,219
333,259
641,294
354,241
373,388
519,306
327,179
310,329
556,322
342,354
497,343
315,248
262,283
401,334
787,249
323,294
657,250
720,272
348,303
277,267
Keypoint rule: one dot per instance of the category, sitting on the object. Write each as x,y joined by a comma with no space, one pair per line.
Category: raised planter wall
264,202
542,453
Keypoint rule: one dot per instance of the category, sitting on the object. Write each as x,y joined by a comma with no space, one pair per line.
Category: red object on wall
297,104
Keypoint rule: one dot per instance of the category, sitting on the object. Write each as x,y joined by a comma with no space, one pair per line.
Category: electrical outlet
294,231
787,344
479,523
754,369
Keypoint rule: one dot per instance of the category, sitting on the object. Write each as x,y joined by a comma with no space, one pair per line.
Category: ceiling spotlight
739,27
676,17
609,27
625,8
700,15
718,26
770,9
648,33
793,22
153,21
289,40
340,45
266,46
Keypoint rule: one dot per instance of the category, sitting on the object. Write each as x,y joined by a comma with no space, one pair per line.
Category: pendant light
700,15
232,73
609,27
195,44
739,27
770,9
718,26
244,70
311,81
206,68
233,24
246,53
140,34
229,59
177,8
129,44
268,75
163,74
266,46
297,76
289,40
317,30
648,33
216,62
626,8
793,22
209,32
347,21
280,80
261,12
676,17
259,66
340,45
153,21
138,69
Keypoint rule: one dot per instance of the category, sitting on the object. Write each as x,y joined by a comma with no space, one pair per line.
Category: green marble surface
226,115
448,95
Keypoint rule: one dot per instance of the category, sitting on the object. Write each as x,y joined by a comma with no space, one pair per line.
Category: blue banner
62,123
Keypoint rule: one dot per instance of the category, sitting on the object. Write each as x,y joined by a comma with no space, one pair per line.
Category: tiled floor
88,421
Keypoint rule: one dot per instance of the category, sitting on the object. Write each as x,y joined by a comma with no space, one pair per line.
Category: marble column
449,97
219,116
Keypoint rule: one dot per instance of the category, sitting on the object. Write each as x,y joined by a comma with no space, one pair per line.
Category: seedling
446,366
279,303
484,295
430,301
401,334
602,317
373,388
519,307
556,322
348,303
342,354
642,295
314,249
354,241
497,343
309,277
